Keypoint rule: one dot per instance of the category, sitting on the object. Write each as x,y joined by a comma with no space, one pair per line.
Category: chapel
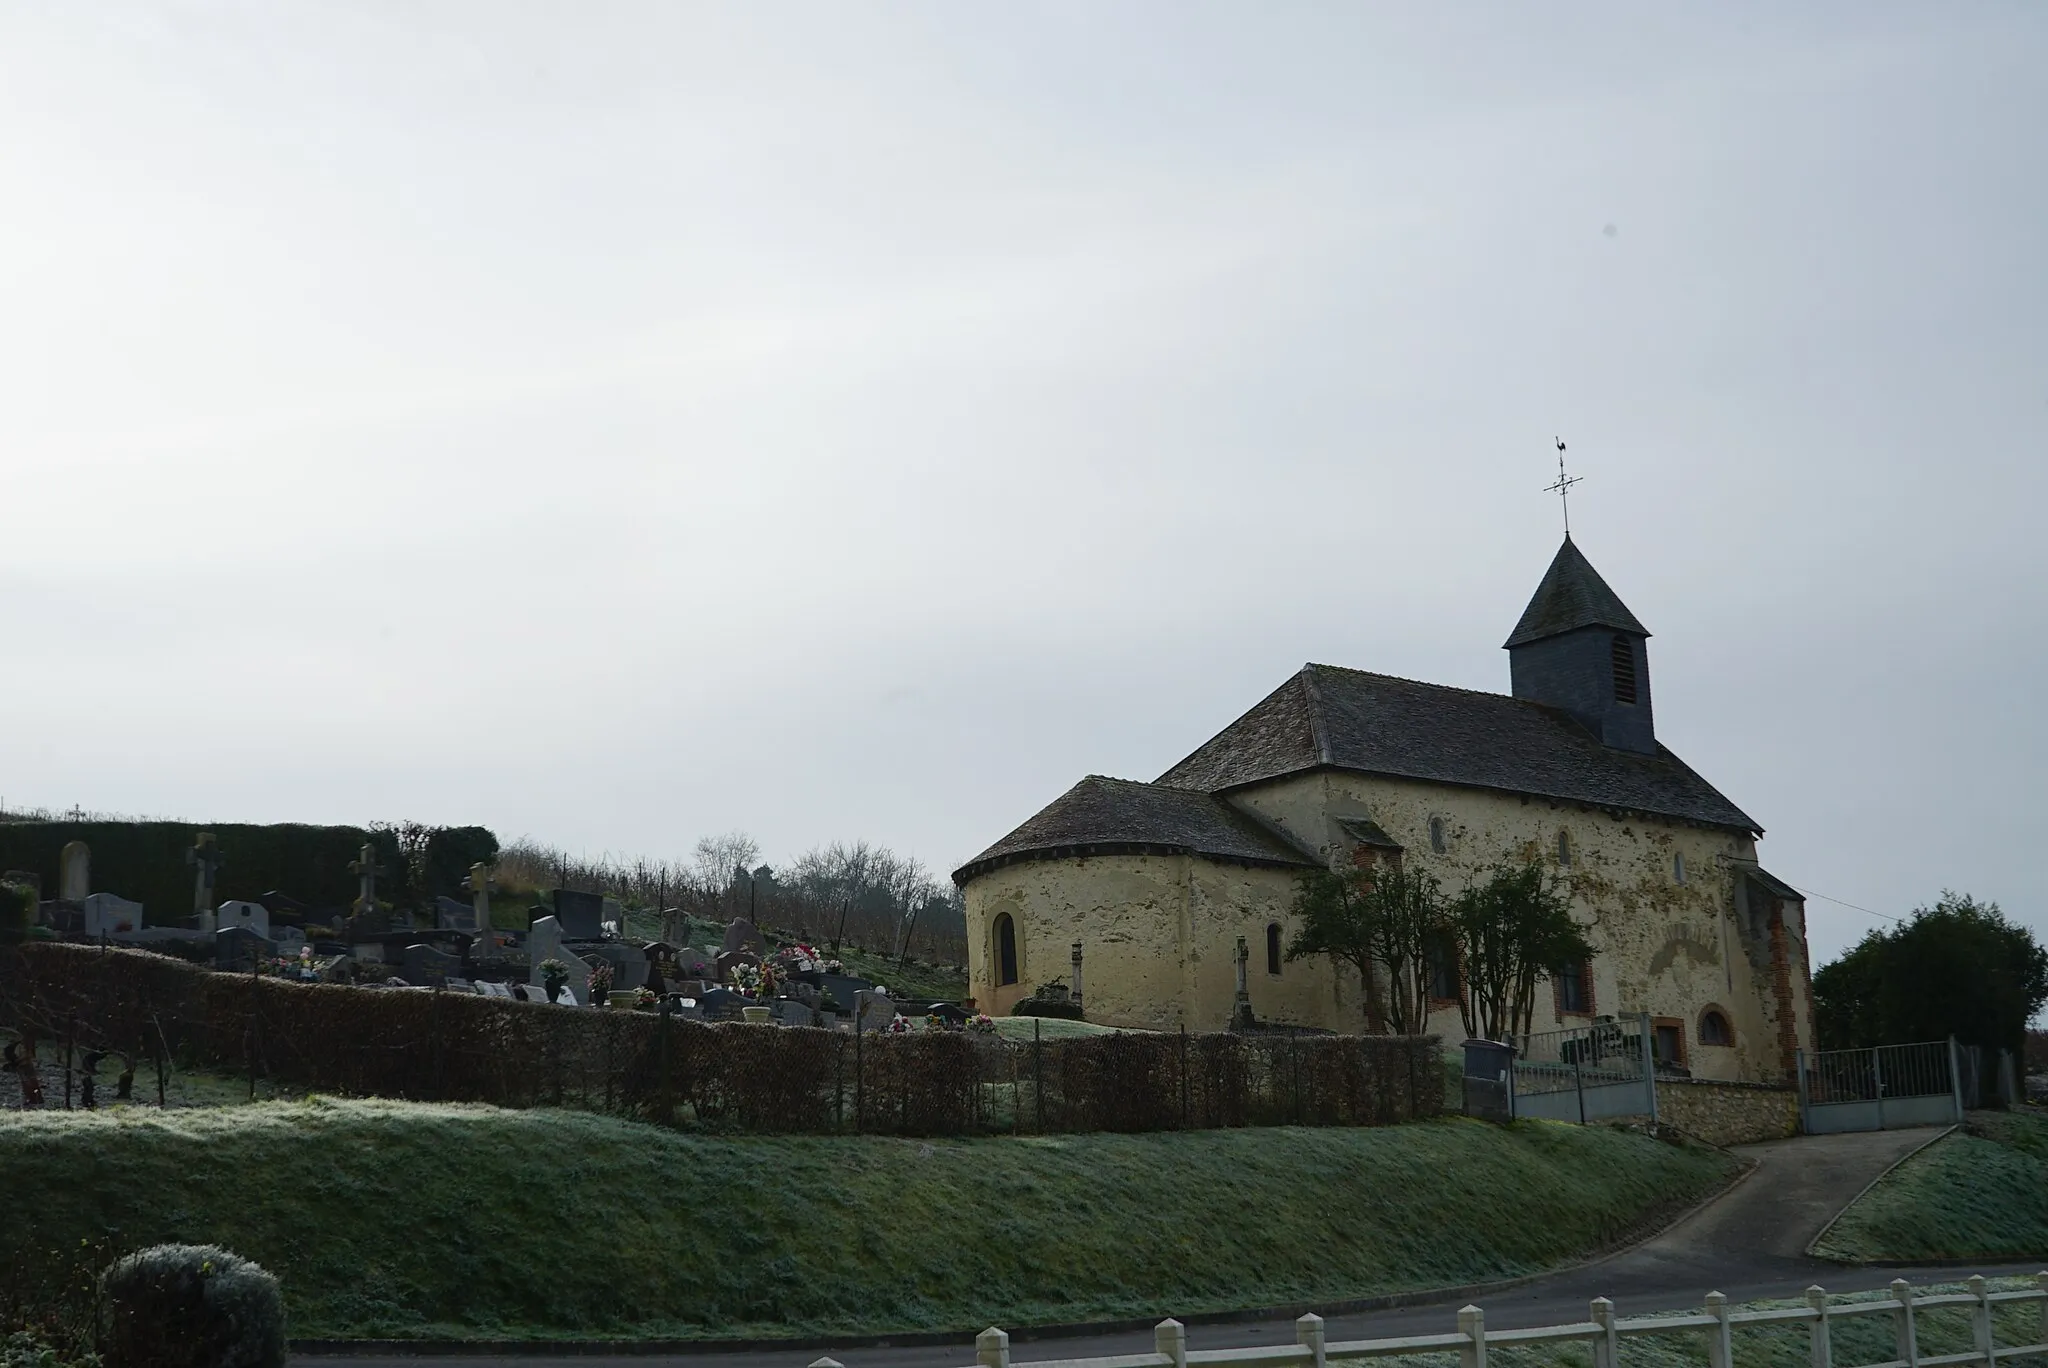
1155,884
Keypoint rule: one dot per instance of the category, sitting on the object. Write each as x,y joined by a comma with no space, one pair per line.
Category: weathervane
1563,488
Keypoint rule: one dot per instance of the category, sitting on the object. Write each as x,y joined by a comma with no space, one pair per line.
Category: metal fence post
1822,1352
1650,1067
992,1349
1909,1339
1308,1333
1805,1101
1606,1349
1877,1081
1170,1340
1720,1348
1472,1325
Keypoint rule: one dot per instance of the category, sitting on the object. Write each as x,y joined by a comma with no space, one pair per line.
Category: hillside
398,1219
1979,1193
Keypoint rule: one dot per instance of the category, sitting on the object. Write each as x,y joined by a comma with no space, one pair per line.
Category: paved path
1748,1244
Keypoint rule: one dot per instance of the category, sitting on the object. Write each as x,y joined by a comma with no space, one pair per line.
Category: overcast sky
613,423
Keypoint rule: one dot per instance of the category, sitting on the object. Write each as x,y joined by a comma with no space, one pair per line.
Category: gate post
1649,1066
1877,1077
1955,1079
1805,1105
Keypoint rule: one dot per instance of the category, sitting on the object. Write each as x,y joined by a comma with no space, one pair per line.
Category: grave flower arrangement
553,976
644,997
983,1022
753,980
899,1026
600,982
800,959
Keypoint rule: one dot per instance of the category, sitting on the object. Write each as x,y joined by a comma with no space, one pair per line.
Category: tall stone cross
480,883
364,867
1241,1010
206,859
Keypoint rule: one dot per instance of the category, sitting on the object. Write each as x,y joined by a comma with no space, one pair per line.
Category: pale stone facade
1157,882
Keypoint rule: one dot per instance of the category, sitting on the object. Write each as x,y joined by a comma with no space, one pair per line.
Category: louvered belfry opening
1624,653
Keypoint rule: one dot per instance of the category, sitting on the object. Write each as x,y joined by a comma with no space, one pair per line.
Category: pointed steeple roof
1572,596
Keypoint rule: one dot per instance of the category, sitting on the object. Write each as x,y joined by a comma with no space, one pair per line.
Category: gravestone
289,940
743,935
614,917
720,1004
457,985
368,952
74,872
684,1007
691,962
530,992
843,988
425,964
544,942
791,1013
110,914
729,959
453,914
238,947
628,962
206,860
480,883
250,916
364,866
876,1010
581,914
494,990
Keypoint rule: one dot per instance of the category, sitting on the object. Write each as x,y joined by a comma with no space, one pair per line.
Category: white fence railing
1602,1330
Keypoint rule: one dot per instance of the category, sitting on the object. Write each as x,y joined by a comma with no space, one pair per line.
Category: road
1750,1243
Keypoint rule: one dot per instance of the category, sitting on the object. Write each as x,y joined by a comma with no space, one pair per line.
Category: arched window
1623,653
1564,848
1436,834
1272,947
1006,950
1678,869
1714,1028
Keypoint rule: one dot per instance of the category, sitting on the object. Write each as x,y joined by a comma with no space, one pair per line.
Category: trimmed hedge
455,1047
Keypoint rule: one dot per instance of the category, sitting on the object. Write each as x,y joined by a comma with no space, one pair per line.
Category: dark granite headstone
239,948
743,935
425,964
453,914
581,914
842,987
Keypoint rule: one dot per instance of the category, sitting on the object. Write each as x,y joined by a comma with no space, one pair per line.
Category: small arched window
1564,848
1714,1028
1272,947
1623,653
1006,950
1678,869
1436,834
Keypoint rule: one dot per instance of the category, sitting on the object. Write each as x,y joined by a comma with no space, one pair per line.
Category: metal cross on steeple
1563,488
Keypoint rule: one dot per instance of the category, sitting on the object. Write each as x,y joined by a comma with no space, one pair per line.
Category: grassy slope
388,1218
1982,1192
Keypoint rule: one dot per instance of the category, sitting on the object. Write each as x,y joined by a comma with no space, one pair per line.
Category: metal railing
1581,1056
1602,1330
1880,1087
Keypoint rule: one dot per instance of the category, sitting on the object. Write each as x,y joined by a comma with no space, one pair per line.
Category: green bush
24,1350
190,1306
17,912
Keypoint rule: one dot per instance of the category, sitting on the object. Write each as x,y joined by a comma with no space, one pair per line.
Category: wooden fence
1602,1331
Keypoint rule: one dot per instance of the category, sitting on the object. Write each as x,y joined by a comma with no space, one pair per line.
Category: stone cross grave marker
479,885
206,860
364,867
74,872
544,943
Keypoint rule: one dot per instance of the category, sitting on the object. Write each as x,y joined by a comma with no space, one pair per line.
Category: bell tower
1579,648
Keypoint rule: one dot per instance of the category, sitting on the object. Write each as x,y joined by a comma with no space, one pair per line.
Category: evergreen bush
190,1306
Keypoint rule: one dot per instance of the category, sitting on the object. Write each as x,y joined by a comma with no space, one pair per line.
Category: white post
1472,1325
1308,1332
1720,1349
1077,975
1170,1338
1605,1348
1822,1354
992,1349
1980,1320
1877,1078
1909,1339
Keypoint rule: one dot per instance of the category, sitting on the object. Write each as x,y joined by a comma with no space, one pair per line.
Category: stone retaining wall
1728,1113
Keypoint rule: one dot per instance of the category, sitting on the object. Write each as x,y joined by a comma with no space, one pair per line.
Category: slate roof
1776,886
1378,724
1572,595
1101,816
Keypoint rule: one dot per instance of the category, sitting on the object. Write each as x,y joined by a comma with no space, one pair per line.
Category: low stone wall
1728,1113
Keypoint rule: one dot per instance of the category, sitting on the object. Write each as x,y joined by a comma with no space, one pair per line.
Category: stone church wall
1670,948
1158,935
